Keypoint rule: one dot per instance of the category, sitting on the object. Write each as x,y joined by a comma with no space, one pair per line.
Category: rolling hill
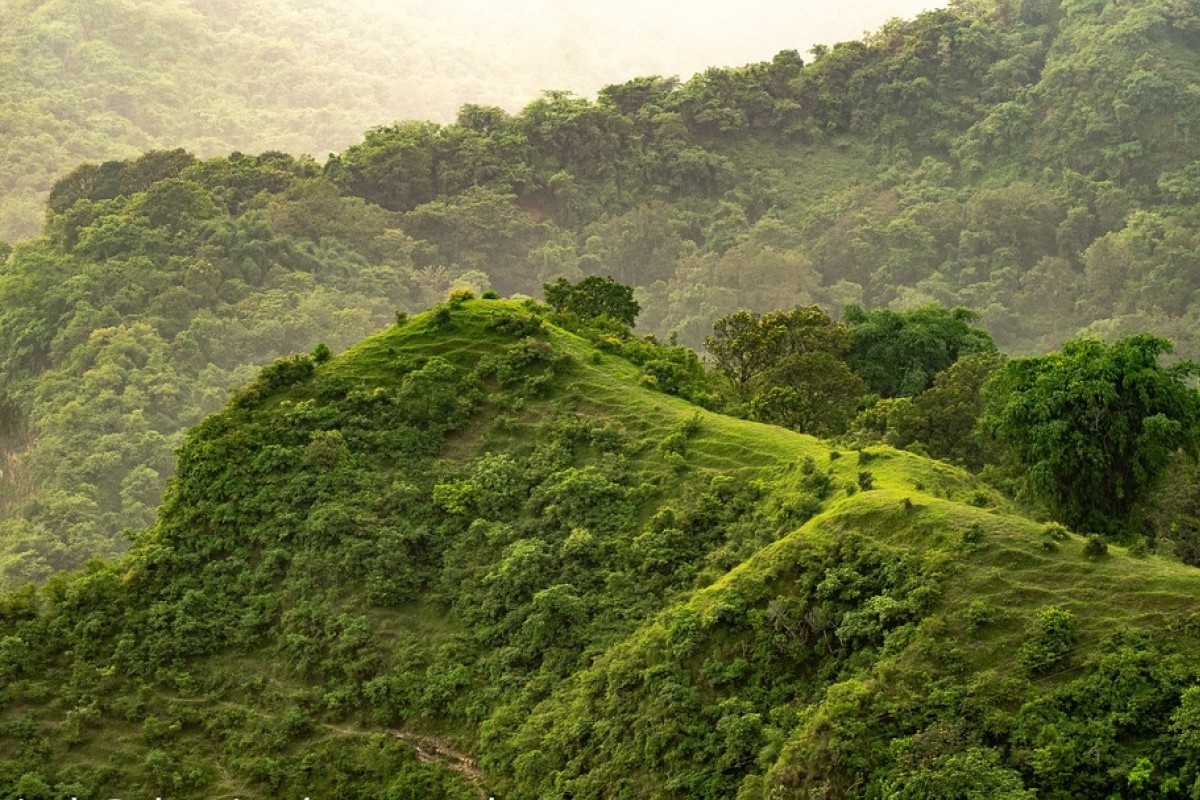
481,554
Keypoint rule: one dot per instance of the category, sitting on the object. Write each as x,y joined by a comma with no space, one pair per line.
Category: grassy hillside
482,553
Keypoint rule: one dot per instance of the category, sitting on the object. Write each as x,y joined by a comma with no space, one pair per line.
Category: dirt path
435,750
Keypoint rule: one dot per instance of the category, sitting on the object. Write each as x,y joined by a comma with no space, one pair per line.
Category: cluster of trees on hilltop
1085,435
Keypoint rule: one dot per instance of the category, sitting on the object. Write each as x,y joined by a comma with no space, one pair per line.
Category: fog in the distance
582,45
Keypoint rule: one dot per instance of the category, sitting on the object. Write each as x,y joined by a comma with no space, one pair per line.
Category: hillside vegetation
483,537
1030,160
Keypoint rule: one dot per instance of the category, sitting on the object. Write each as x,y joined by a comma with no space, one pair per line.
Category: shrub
518,325
980,613
1049,641
1056,531
321,353
1096,546
459,296
866,481
674,443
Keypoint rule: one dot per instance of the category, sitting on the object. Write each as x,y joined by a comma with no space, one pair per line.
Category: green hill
480,554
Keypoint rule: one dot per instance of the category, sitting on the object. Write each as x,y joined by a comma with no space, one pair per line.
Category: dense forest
490,541
836,439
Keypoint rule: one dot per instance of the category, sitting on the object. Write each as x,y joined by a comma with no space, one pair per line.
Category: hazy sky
600,43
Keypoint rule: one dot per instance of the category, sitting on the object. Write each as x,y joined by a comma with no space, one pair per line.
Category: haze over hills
951,158
109,79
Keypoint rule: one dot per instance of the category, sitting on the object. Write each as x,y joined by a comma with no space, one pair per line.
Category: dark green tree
812,392
942,420
744,344
593,297
1095,424
898,353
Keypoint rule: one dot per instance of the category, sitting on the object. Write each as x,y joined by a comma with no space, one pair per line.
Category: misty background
110,79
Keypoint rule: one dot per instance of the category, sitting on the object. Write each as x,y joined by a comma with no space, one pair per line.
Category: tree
593,297
814,393
789,367
898,353
745,344
1095,424
943,418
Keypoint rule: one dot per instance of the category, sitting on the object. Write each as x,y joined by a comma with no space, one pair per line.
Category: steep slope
481,554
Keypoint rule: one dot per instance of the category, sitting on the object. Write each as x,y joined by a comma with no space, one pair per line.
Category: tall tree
899,353
593,297
1095,424
789,367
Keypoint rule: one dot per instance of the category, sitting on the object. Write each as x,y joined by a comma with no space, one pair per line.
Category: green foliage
942,421
899,354
593,297
1095,546
1095,425
1048,641
480,526
788,368
588,585
942,765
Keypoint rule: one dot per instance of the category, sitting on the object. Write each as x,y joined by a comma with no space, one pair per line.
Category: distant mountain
109,79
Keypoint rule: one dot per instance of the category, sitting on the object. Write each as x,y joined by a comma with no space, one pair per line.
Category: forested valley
823,427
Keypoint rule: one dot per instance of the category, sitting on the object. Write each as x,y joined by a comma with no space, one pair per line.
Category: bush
518,325
980,613
459,296
1050,640
1096,546
1056,531
866,481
